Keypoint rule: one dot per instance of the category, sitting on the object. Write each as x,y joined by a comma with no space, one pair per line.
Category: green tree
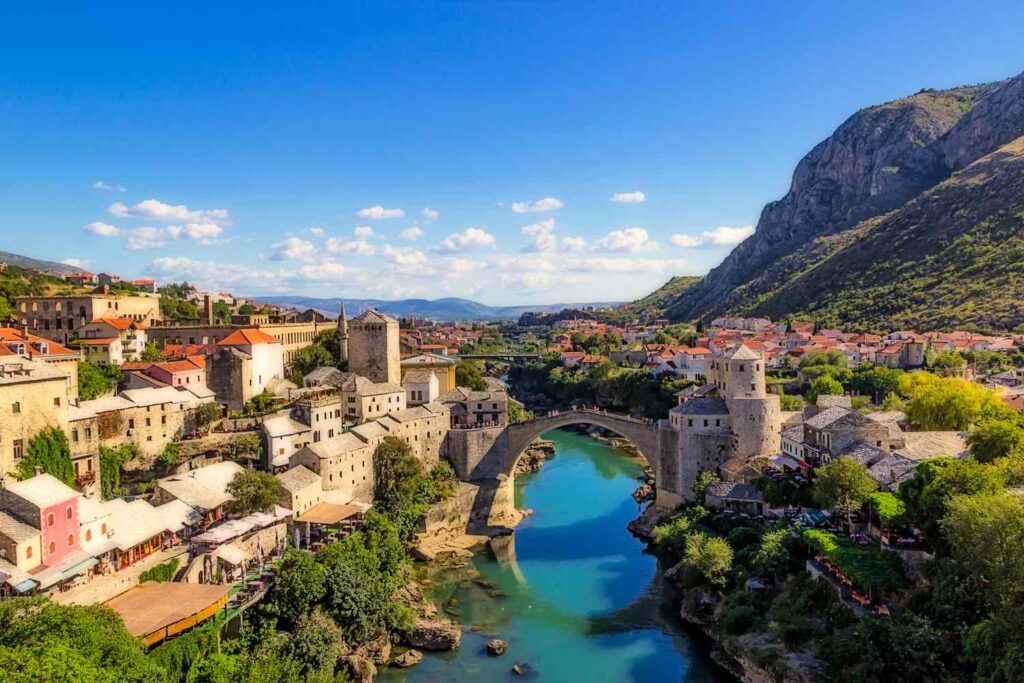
469,375
207,413
151,353
94,381
822,386
41,640
929,493
396,479
298,586
112,461
949,363
709,556
50,452
309,358
315,644
991,439
875,381
700,486
253,491
986,534
772,556
843,486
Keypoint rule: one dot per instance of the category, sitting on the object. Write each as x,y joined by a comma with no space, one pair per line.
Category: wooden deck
154,611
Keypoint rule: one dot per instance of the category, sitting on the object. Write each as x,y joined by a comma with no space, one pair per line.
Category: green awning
76,569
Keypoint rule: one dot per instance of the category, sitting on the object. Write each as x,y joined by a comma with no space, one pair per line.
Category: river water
582,602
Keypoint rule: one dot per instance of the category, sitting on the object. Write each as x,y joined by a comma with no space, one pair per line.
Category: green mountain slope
656,304
20,261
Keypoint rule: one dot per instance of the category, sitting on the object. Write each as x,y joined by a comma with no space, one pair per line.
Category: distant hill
911,214
438,309
35,264
655,304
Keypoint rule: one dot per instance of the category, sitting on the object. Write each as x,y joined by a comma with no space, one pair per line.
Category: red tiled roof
117,323
247,337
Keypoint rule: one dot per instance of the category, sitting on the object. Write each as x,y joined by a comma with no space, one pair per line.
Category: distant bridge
507,356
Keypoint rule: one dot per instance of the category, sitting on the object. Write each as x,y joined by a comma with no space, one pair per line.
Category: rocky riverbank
752,657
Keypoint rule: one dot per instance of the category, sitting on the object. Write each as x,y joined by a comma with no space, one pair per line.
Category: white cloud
116,187
412,234
573,244
315,232
357,246
685,241
430,214
292,249
542,234
630,240
214,273
153,209
537,206
629,197
405,258
722,236
76,263
468,239
204,232
378,212
327,271
534,282
102,229
146,237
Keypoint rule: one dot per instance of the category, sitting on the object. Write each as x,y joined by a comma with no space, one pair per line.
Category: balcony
85,478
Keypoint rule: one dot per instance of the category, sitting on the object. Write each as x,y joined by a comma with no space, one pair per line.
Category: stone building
442,367
59,318
246,363
33,396
732,416
373,347
15,342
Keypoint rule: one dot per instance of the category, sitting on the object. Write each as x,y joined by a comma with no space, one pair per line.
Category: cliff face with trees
904,197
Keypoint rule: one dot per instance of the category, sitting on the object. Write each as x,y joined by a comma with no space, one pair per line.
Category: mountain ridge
448,308
860,184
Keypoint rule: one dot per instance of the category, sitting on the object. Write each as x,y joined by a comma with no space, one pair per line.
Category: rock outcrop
434,635
496,647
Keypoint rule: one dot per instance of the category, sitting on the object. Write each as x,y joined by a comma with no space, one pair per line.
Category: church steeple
343,333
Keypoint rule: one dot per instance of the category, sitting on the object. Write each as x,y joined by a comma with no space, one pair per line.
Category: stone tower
343,333
373,349
755,415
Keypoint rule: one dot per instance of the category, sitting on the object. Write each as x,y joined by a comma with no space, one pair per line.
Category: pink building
47,504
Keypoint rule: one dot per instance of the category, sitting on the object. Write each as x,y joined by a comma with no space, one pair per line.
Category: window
16,407
28,553
53,547
50,519
88,432
705,423
131,423
88,535
69,513
71,540
689,422
103,529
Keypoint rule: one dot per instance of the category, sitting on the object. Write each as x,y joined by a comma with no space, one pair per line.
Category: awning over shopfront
329,513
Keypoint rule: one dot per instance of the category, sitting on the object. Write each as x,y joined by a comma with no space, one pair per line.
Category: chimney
208,309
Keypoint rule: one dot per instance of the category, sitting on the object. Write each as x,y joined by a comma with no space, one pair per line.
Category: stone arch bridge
489,454
521,434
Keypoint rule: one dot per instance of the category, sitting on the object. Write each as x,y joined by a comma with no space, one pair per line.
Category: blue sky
246,147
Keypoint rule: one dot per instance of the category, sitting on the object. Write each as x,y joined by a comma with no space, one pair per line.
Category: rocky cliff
853,201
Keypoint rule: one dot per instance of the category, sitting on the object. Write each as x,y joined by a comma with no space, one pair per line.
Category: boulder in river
433,634
496,647
361,669
408,658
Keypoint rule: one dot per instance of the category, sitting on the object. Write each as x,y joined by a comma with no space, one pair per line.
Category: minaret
343,334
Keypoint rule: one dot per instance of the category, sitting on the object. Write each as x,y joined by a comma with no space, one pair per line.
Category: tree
395,468
947,403
700,486
823,386
991,439
875,381
298,586
986,533
948,364
94,381
207,413
315,643
309,358
468,374
112,460
151,353
928,494
709,556
843,486
41,640
50,452
772,556
253,491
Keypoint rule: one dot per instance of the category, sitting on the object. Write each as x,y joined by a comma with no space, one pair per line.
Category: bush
161,573
738,620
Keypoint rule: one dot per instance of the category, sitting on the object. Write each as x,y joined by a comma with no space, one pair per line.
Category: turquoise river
582,602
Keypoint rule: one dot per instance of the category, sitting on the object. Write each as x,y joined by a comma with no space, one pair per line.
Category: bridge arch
521,434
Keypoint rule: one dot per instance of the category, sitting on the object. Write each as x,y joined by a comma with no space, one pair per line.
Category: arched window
71,540
50,521
53,547
88,535
103,528
28,552
69,512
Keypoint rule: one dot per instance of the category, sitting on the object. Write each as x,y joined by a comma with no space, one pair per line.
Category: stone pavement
103,588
